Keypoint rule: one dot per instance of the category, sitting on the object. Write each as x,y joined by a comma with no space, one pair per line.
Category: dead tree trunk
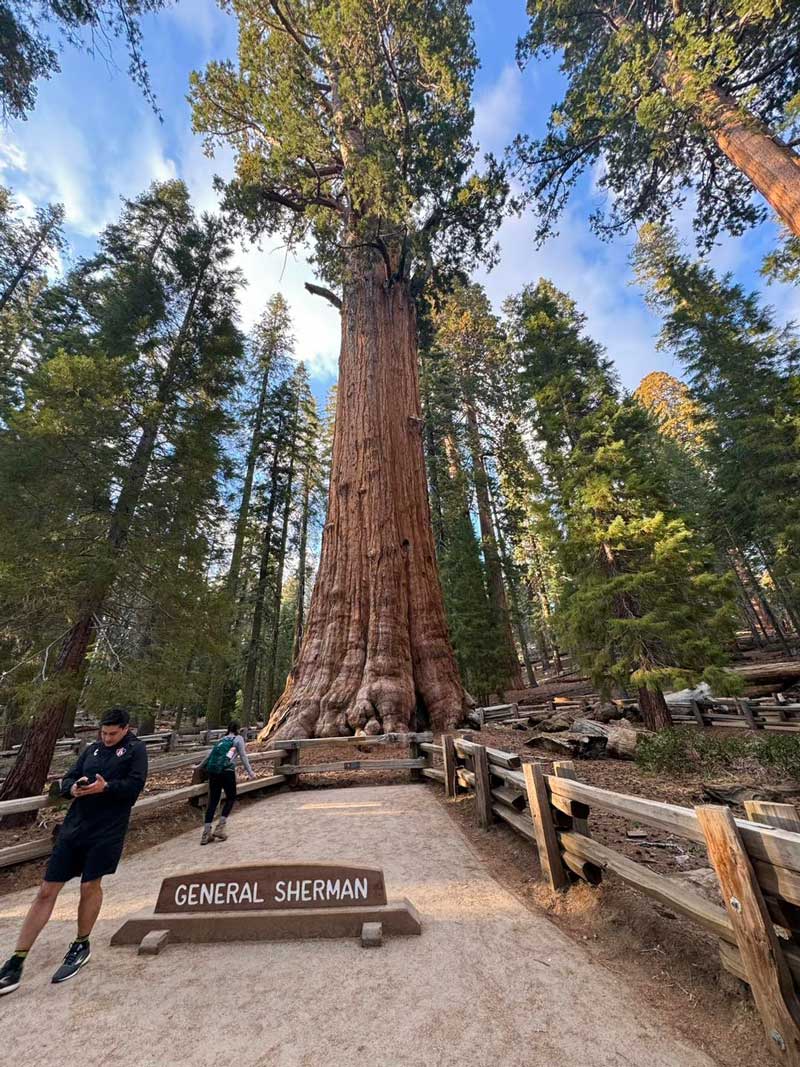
376,643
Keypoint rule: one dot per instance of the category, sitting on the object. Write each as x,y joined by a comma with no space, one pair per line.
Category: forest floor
491,979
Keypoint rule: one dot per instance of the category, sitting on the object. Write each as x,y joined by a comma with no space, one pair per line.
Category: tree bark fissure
376,640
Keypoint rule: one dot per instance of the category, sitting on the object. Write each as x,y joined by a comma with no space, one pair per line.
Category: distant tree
33,31
641,603
666,97
677,413
744,372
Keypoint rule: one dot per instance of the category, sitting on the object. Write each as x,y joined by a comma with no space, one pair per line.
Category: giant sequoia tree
670,94
351,125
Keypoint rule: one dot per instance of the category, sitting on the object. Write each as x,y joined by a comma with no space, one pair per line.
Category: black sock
79,940
20,954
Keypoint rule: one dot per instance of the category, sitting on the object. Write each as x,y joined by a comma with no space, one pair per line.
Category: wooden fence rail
757,861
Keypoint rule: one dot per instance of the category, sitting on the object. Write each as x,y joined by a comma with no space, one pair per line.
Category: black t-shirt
106,814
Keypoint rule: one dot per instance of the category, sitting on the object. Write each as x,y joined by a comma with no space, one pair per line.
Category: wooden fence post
544,827
746,709
782,817
483,787
449,762
414,751
697,713
566,769
291,758
764,963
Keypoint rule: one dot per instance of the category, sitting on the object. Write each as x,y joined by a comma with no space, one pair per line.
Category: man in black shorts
105,782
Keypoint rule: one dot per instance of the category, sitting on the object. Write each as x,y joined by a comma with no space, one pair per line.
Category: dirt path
487,982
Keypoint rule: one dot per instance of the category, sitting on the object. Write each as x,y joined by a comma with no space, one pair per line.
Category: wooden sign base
270,902
398,918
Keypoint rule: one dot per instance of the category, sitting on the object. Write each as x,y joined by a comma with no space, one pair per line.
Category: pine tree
669,96
103,408
468,333
743,370
271,345
641,604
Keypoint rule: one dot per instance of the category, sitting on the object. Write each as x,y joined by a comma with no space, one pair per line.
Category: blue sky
92,139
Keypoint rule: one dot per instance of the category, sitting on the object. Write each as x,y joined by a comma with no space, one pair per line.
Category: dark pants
216,783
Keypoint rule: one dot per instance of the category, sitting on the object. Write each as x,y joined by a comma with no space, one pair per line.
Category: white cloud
498,111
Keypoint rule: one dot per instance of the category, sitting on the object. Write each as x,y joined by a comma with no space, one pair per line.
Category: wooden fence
757,862
285,755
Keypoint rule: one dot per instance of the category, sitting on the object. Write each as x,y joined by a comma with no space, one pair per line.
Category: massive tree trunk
375,653
653,706
491,557
772,167
299,619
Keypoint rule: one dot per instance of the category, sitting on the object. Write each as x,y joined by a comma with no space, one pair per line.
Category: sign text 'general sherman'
271,887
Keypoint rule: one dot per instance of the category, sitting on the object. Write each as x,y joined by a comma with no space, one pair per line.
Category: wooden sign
272,887
270,902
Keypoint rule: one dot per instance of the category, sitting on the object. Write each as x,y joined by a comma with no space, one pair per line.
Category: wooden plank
260,783
434,774
326,742
584,870
11,807
697,713
546,838
352,765
415,753
782,816
465,777
496,756
731,959
767,971
432,749
28,850
483,787
515,819
677,897
778,847
159,800
580,819
450,765
514,798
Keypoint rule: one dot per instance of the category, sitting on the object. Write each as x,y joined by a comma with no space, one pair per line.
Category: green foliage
641,85
641,603
374,113
32,31
686,750
743,373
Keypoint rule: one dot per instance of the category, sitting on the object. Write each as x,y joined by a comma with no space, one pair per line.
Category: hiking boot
208,834
78,955
220,834
11,975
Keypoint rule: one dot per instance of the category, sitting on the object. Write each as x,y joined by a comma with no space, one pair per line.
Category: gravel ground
489,981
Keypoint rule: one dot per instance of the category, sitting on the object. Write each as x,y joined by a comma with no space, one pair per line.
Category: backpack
220,756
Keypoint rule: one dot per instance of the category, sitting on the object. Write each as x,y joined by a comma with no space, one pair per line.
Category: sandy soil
487,982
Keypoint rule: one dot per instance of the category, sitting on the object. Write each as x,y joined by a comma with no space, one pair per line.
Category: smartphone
89,781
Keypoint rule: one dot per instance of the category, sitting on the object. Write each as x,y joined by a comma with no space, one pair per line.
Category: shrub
683,749
781,751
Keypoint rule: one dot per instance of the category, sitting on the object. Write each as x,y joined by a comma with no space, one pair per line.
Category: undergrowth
684,750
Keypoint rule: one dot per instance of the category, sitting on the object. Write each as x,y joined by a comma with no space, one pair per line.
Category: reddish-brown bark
375,649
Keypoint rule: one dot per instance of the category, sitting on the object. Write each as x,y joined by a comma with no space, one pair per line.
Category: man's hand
80,789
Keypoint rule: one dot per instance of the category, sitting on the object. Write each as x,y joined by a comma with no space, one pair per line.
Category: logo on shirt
120,751
95,751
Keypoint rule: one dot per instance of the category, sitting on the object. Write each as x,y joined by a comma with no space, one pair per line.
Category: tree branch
327,294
